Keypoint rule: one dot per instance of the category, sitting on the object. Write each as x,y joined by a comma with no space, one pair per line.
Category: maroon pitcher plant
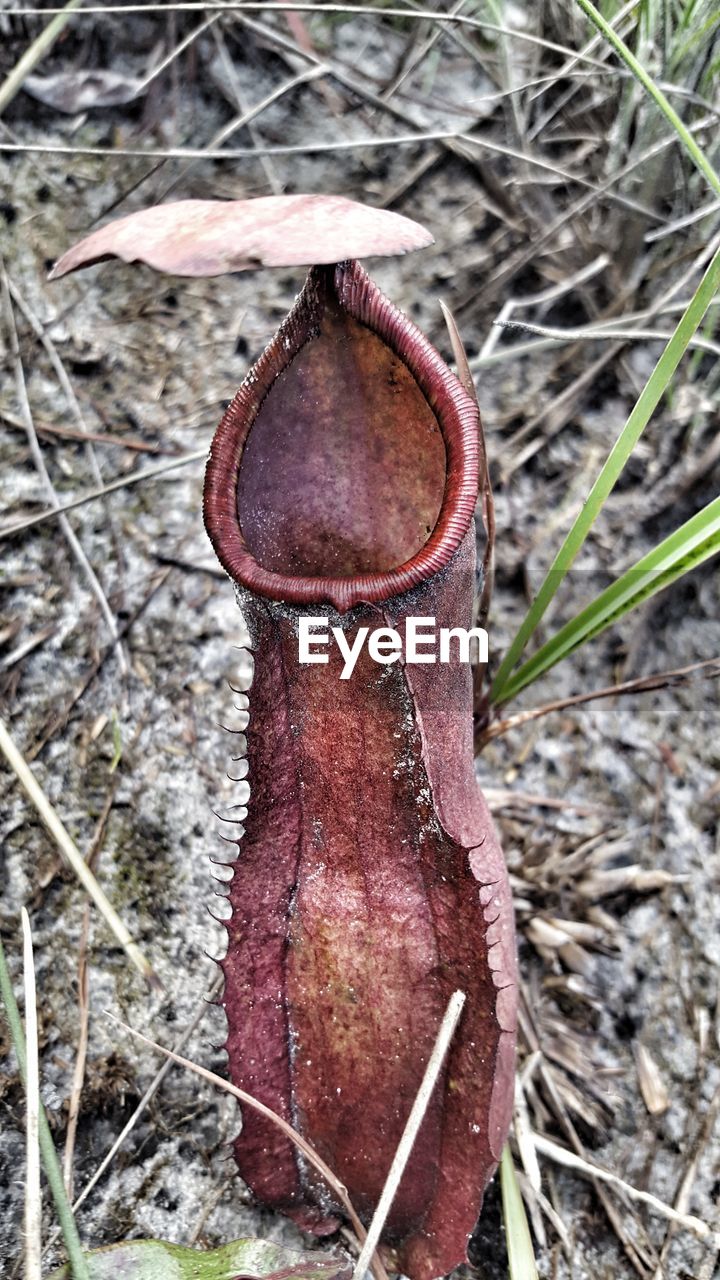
369,886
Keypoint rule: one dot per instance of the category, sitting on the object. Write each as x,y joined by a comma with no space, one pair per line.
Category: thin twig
571,1161
148,473
67,846
410,1132
642,684
33,1201
594,333
97,437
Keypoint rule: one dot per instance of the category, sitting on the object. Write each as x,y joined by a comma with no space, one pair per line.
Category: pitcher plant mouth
345,470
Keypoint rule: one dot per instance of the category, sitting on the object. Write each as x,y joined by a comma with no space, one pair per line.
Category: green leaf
255,1259
521,1257
695,541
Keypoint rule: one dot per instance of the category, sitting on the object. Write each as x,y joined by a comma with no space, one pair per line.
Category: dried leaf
212,237
603,883
652,1085
74,91
254,1259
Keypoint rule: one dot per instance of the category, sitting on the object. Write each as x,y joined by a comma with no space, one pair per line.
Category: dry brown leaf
73,91
212,237
652,1086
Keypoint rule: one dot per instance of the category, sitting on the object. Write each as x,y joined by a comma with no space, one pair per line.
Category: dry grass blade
251,6
22,650
309,1152
568,284
320,147
67,846
410,1132
640,1257
525,1137
33,1202
68,533
571,1161
600,333
238,153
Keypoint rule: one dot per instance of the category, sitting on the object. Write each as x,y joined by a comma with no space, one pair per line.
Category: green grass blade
695,152
685,548
649,399
47,1148
521,1257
